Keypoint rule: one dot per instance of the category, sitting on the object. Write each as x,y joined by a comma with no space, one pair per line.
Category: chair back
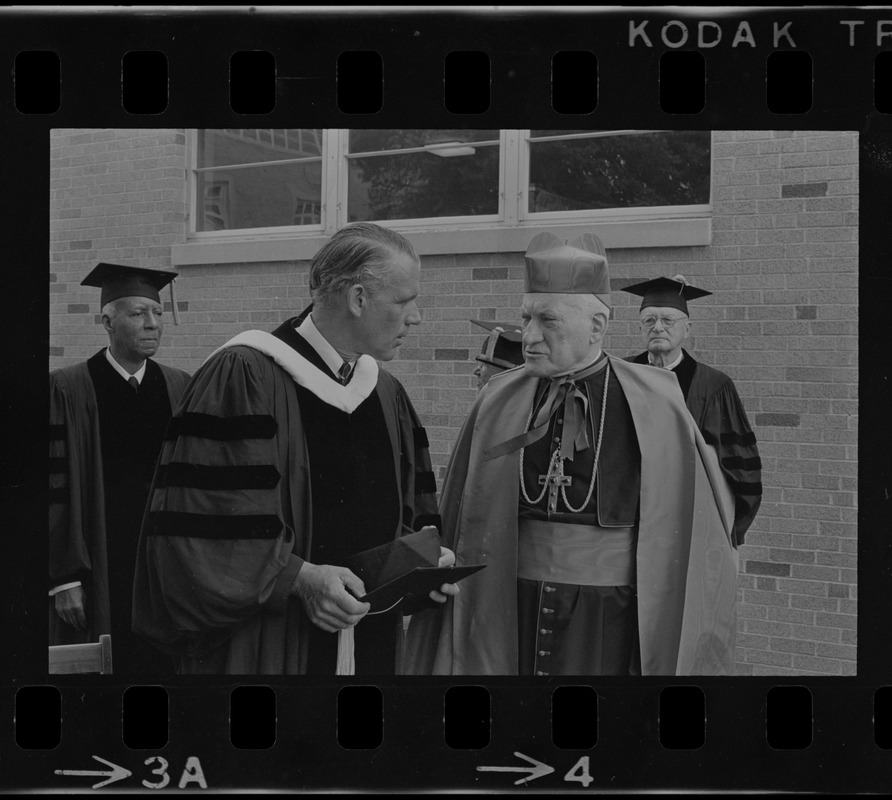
68,659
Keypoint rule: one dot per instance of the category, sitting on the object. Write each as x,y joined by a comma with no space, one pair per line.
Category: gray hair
358,253
110,309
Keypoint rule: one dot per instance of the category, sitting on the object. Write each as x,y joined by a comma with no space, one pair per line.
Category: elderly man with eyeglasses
710,394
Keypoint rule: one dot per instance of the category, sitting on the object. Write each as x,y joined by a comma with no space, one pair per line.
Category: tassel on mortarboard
173,304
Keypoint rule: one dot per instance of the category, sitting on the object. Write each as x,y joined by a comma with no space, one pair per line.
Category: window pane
218,148
368,141
623,171
421,185
260,197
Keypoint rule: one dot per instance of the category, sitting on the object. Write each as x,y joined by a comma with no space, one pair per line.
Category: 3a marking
192,773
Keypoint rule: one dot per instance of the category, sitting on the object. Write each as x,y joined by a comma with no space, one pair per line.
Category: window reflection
625,171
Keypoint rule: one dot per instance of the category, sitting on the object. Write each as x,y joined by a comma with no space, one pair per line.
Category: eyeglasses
666,322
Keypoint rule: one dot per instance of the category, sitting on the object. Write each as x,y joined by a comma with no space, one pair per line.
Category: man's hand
447,559
70,607
323,590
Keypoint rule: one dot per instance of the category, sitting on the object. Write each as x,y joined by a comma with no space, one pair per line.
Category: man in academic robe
291,452
709,393
580,481
502,350
107,420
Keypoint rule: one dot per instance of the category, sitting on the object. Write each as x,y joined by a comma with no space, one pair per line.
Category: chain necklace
556,465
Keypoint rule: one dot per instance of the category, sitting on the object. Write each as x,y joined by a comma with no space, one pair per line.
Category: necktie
134,383
344,372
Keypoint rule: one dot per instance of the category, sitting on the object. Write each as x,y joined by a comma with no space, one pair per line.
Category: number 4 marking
579,773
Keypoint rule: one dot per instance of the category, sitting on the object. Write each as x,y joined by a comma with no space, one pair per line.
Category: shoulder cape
686,610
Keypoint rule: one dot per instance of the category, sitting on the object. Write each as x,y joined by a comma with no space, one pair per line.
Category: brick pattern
782,322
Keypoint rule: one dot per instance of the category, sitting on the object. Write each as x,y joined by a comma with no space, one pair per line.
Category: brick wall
115,195
782,323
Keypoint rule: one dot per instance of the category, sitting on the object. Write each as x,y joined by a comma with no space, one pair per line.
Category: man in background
710,394
107,421
502,350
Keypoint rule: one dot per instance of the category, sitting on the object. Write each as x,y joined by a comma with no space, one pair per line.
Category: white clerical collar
332,358
123,372
673,365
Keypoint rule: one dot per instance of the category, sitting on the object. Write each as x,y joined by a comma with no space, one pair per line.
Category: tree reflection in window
665,168
417,174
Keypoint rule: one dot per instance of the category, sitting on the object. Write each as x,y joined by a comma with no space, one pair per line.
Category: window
571,171
271,178
422,174
497,186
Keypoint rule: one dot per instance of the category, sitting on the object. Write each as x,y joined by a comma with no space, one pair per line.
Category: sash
583,555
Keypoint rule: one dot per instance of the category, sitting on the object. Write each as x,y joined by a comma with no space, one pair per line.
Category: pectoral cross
554,483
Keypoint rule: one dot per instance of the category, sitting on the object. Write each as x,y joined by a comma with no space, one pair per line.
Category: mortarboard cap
118,280
404,569
504,347
666,293
576,267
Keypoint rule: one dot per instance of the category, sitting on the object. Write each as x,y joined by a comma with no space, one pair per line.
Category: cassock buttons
557,438
543,631
550,589
547,611
545,652
542,673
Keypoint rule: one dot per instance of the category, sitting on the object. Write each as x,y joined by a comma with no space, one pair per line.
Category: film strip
789,70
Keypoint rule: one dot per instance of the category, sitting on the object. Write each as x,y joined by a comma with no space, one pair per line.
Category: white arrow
536,771
117,773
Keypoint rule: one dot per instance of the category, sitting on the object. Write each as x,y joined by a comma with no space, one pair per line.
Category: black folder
404,569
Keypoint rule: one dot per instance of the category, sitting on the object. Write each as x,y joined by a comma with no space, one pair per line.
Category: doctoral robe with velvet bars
232,513
716,407
104,442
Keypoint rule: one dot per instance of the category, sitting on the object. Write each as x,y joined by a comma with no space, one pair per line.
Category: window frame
508,230
600,214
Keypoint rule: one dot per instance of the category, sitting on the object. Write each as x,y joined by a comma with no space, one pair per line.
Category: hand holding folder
405,570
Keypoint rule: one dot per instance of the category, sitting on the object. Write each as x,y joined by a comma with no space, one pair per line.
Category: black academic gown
718,411
252,466
105,439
